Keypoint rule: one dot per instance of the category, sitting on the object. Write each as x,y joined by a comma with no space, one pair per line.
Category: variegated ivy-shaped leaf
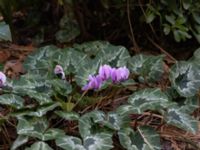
149,67
68,115
99,119
149,99
88,120
190,104
33,86
89,67
40,62
21,139
145,138
106,52
37,128
196,55
69,143
101,141
176,117
115,121
70,59
12,100
39,112
185,78
61,86
39,146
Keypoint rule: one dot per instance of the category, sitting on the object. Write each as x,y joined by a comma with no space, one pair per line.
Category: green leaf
52,134
149,99
69,29
12,100
5,34
149,67
145,138
101,141
33,86
186,4
38,128
42,110
115,121
185,78
150,16
196,17
70,59
41,61
105,52
89,68
170,19
68,115
190,104
61,86
21,139
69,143
88,120
33,127
39,146
125,110
181,120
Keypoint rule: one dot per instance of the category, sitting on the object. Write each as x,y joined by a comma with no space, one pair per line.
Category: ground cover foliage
52,112
156,108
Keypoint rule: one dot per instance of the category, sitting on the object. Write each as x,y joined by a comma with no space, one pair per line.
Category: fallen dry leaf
14,68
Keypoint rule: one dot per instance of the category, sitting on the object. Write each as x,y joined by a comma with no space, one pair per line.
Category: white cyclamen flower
2,79
58,70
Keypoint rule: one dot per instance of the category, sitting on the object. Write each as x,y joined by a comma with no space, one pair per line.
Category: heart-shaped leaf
185,78
145,138
39,146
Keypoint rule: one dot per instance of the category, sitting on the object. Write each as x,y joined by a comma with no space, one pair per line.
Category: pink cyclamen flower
2,79
105,72
58,70
95,83
120,74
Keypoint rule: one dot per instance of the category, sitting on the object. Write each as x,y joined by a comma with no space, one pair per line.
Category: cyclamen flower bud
2,79
58,70
105,72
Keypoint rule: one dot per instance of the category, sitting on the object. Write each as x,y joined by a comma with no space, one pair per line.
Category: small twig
162,50
136,47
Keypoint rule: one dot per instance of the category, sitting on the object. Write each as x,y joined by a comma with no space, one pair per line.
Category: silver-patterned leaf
182,120
12,100
88,120
149,67
68,115
21,139
39,146
100,141
145,138
69,143
106,52
149,99
185,78
190,104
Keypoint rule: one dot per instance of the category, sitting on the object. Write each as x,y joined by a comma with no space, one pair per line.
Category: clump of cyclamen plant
58,70
106,72
2,79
